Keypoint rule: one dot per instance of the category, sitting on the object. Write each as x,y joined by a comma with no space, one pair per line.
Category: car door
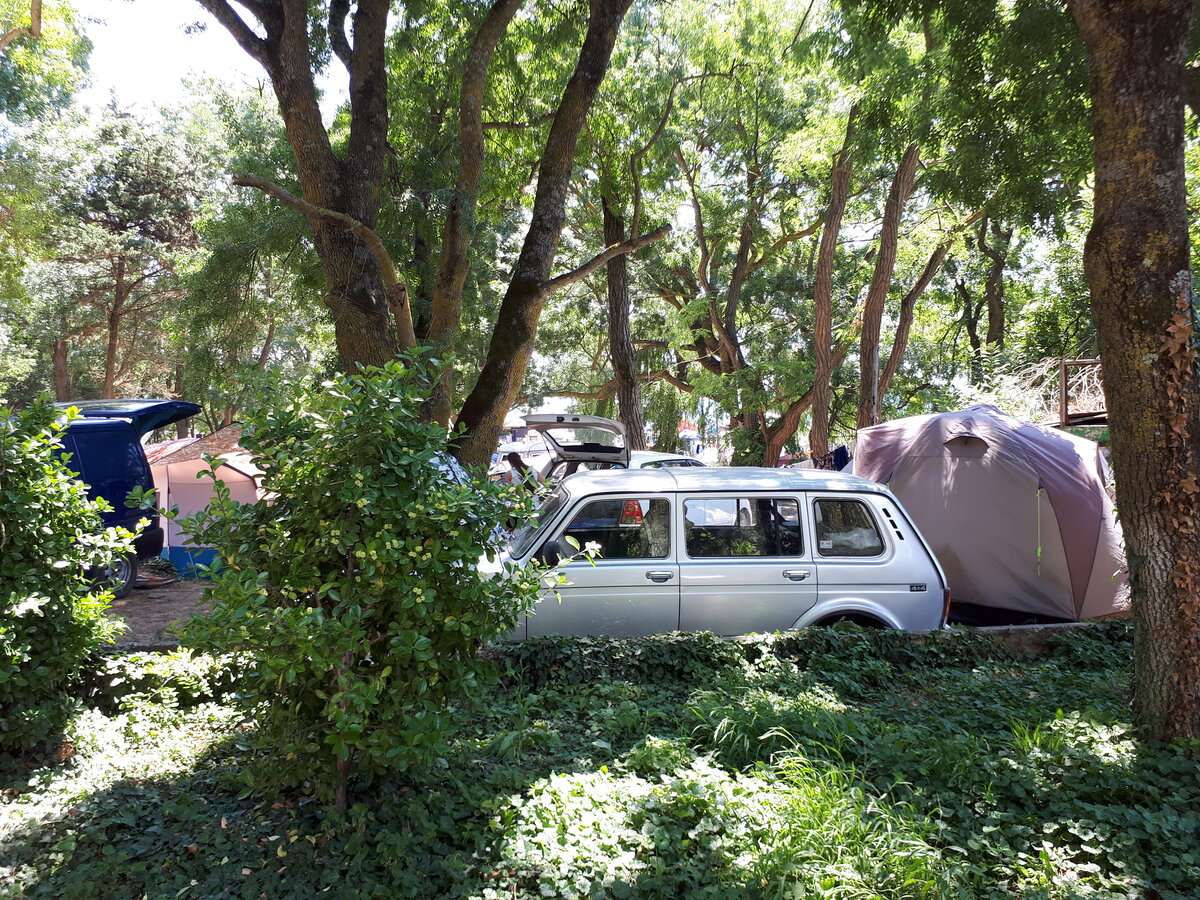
631,588
745,563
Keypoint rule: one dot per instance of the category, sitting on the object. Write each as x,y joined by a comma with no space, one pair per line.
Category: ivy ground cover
833,763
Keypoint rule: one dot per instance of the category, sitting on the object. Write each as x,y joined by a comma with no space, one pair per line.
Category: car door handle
796,574
659,576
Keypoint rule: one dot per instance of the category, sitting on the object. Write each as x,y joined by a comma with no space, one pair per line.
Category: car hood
583,438
143,415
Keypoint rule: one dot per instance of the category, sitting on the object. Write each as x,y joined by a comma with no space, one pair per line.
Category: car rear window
846,528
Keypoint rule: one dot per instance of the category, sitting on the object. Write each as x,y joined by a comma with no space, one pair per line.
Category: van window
625,528
846,528
742,526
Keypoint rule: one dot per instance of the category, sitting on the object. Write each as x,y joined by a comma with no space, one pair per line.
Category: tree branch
236,26
397,291
604,256
338,10
518,126
33,29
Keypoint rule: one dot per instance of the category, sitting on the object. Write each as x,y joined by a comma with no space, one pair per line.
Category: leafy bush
701,832
51,619
354,588
678,656
178,678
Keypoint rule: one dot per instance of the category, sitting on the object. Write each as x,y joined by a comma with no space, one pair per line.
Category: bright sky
142,53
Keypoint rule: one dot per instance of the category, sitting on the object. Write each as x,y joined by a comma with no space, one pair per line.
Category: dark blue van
105,447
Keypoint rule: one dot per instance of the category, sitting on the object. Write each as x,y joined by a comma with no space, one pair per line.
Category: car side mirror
550,553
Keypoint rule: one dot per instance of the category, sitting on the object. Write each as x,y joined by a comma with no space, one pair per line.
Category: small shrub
51,619
354,590
678,656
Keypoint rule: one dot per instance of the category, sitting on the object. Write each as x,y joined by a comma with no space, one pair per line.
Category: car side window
846,528
624,528
718,527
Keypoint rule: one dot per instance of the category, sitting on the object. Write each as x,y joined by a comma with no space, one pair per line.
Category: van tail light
945,606
631,513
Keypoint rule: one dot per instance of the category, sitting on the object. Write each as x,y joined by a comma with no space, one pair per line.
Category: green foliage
678,656
176,679
39,75
353,590
51,618
852,763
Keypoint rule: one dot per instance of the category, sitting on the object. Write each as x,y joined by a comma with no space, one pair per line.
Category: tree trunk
183,428
446,307
620,340
818,435
908,305
62,374
881,281
1136,260
512,342
355,296
994,288
113,330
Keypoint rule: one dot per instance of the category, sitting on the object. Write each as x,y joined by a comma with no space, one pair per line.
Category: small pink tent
176,465
1018,514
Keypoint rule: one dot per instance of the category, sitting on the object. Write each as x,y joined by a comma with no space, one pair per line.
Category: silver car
727,550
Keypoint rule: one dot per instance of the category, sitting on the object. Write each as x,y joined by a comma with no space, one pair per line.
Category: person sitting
519,472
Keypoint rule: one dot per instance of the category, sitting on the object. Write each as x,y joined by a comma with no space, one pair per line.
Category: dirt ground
151,609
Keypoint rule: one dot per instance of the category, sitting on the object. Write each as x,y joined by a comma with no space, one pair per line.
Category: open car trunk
575,438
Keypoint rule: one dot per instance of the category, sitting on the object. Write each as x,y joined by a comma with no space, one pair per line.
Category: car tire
122,575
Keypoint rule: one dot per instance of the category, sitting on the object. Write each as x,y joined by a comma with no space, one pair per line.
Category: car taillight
631,513
945,606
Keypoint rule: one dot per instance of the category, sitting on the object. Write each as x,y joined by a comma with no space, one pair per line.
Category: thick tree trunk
355,296
1136,259
62,374
818,435
881,282
446,311
512,343
620,339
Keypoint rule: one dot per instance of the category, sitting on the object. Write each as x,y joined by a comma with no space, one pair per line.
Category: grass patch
839,763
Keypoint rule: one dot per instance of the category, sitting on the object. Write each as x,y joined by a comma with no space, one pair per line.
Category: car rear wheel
120,577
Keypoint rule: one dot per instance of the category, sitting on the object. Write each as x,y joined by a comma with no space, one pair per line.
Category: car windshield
523,537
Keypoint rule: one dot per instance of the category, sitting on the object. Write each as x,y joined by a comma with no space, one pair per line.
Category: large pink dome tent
1018,514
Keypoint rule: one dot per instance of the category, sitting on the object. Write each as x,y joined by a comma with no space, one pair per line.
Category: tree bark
62,374
993,290
1136,260
620,339
446,306
818,435
483,412
908,306
355,296
33,29
881,282
113,330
